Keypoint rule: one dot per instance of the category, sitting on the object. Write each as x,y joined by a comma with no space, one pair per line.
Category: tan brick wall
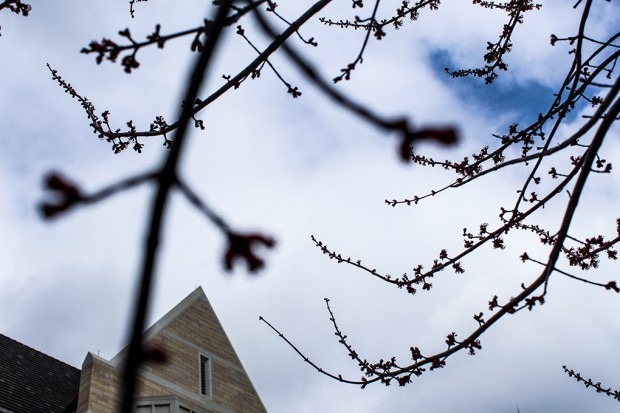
181,367
200,325
233,389
100,389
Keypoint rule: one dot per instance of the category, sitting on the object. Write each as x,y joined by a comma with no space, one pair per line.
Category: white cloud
291,169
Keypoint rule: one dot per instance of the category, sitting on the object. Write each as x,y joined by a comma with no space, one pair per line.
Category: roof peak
197,294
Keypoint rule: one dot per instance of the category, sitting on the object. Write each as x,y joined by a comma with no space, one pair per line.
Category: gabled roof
33,382
198,295
186,333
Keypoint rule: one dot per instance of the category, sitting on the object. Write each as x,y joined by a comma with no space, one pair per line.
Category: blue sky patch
525,100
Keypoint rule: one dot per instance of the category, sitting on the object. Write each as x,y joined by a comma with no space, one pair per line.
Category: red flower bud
444,136
67,192
240,247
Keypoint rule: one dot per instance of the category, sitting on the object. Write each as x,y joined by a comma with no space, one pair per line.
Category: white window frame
151,404
176,406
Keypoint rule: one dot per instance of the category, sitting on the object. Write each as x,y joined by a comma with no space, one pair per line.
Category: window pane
162,408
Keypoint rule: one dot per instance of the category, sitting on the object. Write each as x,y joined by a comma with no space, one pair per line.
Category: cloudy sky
293,168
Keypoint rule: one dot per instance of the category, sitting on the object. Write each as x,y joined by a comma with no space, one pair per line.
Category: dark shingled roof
33,382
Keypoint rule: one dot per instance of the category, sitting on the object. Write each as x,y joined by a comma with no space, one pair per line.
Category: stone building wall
186,333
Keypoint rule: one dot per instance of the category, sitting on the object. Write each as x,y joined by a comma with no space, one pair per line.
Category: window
205,376
152,408
160,404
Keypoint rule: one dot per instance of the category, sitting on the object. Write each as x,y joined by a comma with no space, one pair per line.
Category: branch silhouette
590,85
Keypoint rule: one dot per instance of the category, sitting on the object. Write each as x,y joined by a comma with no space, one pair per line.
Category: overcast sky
292,168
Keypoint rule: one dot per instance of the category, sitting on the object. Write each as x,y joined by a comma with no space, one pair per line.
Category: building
31,381
202,373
